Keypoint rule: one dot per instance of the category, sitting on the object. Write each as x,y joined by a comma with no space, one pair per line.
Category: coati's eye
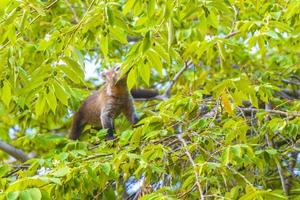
117,67
103,75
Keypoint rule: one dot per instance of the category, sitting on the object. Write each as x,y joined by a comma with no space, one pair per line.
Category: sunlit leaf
6,93
131,79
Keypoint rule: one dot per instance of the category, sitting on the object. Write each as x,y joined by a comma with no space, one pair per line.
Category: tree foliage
229,130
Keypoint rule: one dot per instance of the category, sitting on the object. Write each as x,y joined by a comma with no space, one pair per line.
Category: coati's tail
77,126
144,93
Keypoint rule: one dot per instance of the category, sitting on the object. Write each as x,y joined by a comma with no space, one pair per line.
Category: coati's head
112,76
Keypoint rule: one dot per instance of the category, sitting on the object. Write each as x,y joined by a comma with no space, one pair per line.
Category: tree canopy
227,125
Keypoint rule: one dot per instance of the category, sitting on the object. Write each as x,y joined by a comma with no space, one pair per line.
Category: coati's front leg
130,113
107,123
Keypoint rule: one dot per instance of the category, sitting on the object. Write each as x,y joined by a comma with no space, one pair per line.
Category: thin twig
185,193
279,112
96,156
179,136
18,168
73,11
231,34
51,5
278,165
176,77
241,175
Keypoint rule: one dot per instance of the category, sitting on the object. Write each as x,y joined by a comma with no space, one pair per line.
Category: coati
102,107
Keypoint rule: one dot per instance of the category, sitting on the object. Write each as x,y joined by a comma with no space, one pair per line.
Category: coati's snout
112,75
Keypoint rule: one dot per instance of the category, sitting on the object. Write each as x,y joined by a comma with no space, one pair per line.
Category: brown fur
103,106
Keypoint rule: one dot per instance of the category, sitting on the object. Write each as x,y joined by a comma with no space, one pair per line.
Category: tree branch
167,93
14,152
278,112
290,82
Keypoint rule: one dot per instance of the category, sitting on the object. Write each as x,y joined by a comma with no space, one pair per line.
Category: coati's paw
110,137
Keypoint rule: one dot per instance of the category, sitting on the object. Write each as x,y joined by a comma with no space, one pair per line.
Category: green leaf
144,72
221,49
35,193
109,15
162,52
3,4
226,103
24,18
109,194
119,34
13,195
38,9
146,42
51,100
128,6
74,65
25,195
203,25
40,105
4,169
150,7
170,33
60,93
254,99
105,167
26,182
61,172
213,20
104,45
131,79
6,93
155,60
226,156
71,74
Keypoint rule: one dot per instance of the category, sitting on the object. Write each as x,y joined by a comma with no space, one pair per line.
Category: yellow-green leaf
155,60
104,45
131,79
71,74
170,32
128,6
109,15
74,65
150,7
51,100
119,34
61,172
146,42
221,49
35,193
162,52
60,92
40,105
6,93
226,104
144,72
